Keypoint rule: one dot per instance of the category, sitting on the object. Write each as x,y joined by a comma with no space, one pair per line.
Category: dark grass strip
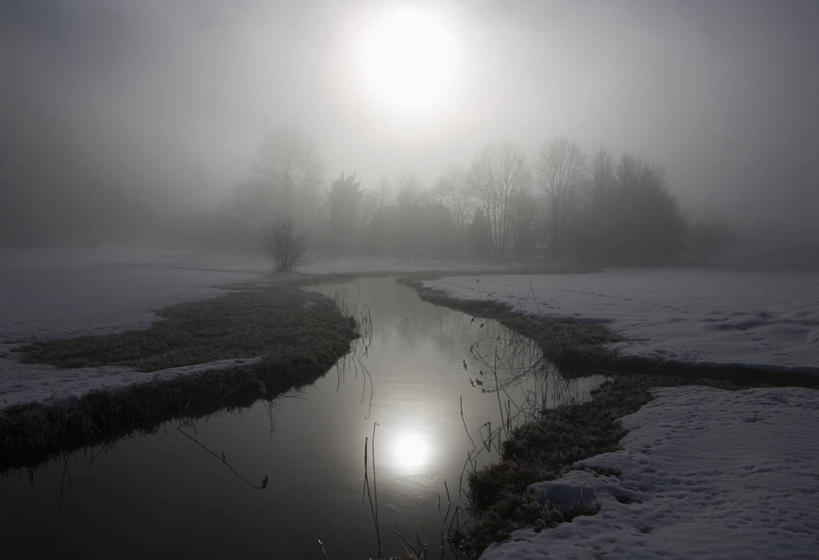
547,447
239,324
300,336
578,347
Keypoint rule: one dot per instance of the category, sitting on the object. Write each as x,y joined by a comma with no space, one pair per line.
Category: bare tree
285,184
560,171
496,174
344,202
452,190
284,245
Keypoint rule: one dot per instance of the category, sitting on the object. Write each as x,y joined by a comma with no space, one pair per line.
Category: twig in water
222,459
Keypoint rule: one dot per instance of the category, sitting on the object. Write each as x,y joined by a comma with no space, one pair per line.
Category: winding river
428,392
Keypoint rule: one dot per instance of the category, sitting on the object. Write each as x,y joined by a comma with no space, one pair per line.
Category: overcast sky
162,104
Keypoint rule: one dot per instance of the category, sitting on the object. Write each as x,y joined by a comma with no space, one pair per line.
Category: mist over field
558,258
135,122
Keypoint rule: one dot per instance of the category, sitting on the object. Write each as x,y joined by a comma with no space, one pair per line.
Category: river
427,391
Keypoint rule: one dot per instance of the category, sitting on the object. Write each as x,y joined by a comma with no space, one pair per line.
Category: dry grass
546,447
300,336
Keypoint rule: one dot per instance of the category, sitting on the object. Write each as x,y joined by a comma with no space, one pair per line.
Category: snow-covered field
52,293
705,473
62,293
709,474
760,318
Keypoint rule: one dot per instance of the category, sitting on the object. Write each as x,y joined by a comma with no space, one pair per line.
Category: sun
408,59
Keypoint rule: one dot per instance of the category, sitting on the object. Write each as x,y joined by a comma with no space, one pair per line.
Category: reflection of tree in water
513,369
511,381
353,364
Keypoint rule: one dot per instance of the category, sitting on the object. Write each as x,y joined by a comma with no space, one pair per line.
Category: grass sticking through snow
300,336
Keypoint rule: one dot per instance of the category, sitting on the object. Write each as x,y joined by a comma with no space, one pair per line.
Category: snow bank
706,474
49,384
756,318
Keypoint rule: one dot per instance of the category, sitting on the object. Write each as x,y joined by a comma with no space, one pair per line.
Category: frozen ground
760,318
62,293
51,293
705,474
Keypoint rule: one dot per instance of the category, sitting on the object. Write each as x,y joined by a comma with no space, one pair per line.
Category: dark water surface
419,373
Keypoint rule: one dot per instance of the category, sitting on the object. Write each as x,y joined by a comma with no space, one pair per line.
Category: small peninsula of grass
548,446
298,335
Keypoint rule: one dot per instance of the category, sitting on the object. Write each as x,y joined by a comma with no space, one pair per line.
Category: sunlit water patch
373,454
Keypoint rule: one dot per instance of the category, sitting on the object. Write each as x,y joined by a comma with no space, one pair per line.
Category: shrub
284,245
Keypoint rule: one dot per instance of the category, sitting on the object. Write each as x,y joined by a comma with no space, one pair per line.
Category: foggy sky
111,111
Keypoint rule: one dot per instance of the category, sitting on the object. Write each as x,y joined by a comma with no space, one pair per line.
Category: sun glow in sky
408,58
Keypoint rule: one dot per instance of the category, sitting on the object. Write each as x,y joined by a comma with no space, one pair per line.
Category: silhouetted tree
496,174
631,218
285,184
284,245
452,190
344,200
560,172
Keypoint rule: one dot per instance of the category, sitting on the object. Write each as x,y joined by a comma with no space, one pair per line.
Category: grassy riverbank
298,335
546,447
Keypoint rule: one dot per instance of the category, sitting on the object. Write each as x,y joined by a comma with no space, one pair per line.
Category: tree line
563,204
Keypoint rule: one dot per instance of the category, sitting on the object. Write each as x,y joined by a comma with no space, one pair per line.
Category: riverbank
549,447
587,343
294,336
545,449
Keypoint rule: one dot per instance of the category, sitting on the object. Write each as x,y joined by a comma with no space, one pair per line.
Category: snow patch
51,293
764,319
50,385
705,473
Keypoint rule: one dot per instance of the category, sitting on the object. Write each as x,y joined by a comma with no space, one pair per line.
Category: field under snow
704,473
65,293
52,293
758,318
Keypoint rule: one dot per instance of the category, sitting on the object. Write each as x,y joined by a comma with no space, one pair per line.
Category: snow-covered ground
54,293
705,473
763,318
63,293
709,473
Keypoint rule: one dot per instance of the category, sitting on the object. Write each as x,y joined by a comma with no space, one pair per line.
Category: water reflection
410,452
429,392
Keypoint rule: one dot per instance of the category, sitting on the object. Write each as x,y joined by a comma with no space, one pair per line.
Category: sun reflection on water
410,451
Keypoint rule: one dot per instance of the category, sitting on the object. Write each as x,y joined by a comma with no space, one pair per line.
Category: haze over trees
126,122
286,184
564,206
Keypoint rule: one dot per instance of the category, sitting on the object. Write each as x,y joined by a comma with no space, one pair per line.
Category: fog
122,120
